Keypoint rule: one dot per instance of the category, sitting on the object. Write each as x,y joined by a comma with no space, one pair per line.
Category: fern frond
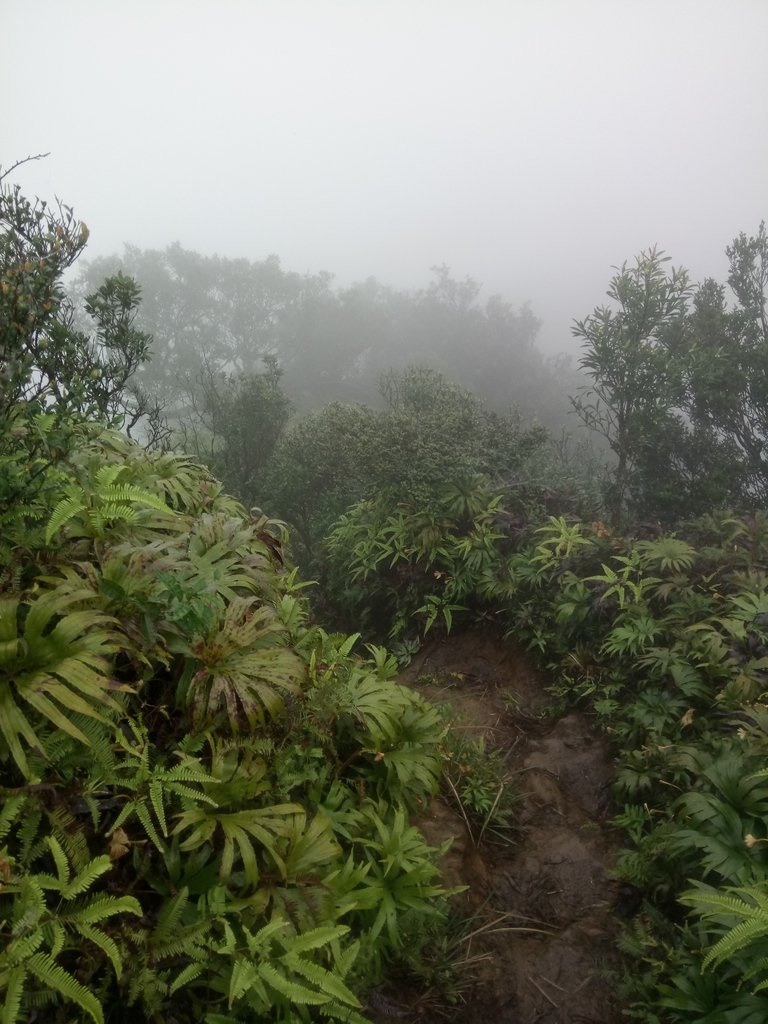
747,904
289,988
737,939
71,835
85,878
169,917
327,982
105,943
102,907
47,971
185,976
315,938
65,510
142,813
14,989
18,951
243,978
59,859
10,812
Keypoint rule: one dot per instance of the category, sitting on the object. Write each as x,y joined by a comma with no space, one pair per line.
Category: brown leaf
119,844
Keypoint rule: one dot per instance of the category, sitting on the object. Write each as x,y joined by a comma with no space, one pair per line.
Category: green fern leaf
760,967
66,509
316,937
156,796
105,943
738,939
292,990
60,860
106,476
102,907
85,879
145,818
14,989
749,906
169,917
326,981
244,977
47,971
260,942
20,950
121,494
184,977
57,937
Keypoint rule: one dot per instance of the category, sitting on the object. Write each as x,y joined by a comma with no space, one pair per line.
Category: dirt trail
551,888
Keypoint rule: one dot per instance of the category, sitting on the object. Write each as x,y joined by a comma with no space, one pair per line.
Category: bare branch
20,163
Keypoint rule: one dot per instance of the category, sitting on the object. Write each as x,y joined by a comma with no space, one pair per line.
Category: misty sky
528,143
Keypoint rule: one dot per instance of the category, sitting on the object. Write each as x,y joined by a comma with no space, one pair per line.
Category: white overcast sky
531,144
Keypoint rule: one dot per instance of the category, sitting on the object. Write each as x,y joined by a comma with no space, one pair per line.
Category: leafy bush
665,641
204,797
432,434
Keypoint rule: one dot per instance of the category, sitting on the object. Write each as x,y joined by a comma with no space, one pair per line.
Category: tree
318,468
633,393
726,378
53,375
209,313
240,418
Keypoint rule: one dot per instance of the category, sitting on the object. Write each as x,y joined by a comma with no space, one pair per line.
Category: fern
49,974
109,502
150,784
180,933
743,913
277,969
59,924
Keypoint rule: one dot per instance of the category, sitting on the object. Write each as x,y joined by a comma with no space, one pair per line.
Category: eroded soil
541,906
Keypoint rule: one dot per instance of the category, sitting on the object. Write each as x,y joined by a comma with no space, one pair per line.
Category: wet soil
541,907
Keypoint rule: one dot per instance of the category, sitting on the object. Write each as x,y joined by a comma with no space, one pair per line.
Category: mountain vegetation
207,765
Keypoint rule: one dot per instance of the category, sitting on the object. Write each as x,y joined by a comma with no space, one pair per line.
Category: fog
531,144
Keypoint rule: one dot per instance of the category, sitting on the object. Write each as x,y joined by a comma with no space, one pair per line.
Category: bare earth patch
549,892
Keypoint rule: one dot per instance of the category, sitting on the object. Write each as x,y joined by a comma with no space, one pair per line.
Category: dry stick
519,928
490,814
509,928
461,808
511,748
540,989
494,930
554,984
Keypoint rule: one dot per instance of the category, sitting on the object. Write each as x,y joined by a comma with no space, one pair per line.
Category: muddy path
543,905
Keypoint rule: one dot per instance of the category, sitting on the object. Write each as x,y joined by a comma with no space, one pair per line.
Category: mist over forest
384,512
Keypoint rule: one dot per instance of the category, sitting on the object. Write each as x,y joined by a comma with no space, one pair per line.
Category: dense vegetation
205,798
206,794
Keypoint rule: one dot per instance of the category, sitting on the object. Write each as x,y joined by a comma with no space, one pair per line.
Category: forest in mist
410,374
249,365
330,343
236,501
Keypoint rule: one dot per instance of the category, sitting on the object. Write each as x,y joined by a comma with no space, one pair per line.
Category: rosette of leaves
55,660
